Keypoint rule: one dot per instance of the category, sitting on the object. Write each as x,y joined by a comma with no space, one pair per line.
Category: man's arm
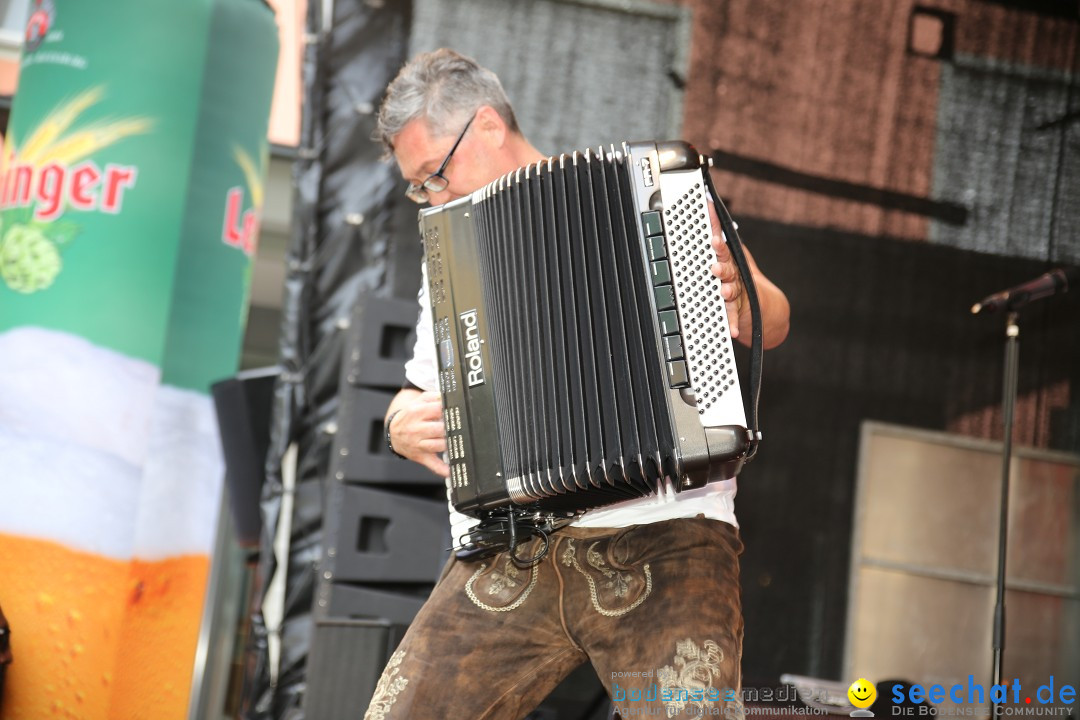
416,428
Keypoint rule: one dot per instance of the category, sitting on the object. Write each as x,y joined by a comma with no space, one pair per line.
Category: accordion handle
756,339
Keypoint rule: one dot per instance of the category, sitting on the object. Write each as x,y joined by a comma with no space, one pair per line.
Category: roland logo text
474,362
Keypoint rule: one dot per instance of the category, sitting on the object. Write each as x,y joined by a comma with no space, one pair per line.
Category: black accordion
582,341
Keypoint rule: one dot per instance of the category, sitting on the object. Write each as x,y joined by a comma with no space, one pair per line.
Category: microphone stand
1009,391
1011,300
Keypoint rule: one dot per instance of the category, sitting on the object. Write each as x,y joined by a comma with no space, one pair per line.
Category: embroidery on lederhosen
506,583
387,689
615,582
502,580
689,683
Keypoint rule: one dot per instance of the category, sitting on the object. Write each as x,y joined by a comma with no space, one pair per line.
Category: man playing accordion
646,589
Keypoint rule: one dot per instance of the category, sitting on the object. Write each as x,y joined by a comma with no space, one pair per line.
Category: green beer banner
130,191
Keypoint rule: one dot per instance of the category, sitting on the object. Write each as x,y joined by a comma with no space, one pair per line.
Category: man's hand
731,287
775,311
416,430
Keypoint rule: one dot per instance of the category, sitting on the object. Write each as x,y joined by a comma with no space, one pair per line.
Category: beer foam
97,456
80,497
182,477
62,387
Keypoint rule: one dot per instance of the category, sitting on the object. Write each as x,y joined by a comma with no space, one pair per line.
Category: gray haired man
646,590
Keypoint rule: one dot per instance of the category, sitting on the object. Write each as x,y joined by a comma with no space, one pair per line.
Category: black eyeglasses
436,181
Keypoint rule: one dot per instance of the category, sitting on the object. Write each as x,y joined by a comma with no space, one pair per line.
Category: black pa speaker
244,406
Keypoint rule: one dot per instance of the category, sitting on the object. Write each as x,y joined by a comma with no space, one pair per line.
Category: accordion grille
710,355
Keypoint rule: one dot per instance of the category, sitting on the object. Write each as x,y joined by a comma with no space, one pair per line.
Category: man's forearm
775,309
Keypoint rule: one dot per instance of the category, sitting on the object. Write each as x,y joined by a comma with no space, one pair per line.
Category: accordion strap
756,340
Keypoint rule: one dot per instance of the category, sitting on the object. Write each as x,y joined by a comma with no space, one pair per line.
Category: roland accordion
583,345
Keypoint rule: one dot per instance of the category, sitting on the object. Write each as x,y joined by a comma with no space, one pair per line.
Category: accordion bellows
583,347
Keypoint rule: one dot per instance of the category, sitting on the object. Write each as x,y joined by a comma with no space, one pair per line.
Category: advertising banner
131,181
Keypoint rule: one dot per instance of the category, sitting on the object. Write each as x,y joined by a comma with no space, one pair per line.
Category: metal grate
702,313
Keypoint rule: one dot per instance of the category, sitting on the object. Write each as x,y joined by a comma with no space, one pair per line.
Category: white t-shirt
716,500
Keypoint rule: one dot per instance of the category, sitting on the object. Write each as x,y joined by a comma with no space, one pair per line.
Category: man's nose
443,196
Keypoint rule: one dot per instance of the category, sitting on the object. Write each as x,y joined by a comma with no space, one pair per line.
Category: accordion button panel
661,272
669,322
673,349
677,374
650,220
665,297
657,251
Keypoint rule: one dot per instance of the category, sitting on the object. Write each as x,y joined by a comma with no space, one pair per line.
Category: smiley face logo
862,693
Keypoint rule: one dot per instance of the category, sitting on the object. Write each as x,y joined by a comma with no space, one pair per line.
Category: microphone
1047,284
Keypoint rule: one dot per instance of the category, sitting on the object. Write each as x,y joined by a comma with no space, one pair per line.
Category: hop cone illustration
29,261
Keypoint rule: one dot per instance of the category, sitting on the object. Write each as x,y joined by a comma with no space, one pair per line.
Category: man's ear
491,126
